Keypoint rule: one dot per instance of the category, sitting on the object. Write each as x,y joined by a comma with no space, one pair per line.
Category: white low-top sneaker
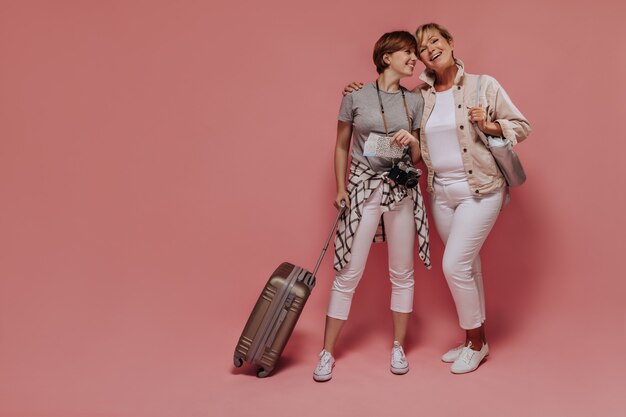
469,359
324,369
452,355
399,364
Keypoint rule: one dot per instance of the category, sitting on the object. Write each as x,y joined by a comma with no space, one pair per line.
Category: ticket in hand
380,146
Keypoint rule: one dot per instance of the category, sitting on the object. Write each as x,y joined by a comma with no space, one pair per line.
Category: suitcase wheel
238,362
262,373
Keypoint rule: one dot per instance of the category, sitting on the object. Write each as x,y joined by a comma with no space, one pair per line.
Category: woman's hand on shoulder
404,138
351,87
342,196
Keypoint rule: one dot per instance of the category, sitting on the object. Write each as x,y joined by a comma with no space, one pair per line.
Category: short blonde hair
429,27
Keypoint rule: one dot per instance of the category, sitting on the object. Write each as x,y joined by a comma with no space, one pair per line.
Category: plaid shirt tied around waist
361,183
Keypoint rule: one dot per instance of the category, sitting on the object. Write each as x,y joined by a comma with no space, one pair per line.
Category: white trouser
400,236
463,222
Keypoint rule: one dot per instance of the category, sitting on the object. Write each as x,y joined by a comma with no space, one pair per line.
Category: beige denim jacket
482,172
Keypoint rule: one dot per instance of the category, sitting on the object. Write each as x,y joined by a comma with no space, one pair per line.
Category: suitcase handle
342,208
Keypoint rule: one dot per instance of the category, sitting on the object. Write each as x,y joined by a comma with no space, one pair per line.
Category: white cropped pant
400,236
463,222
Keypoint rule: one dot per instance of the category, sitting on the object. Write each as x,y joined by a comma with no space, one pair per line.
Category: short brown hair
392,42
429,27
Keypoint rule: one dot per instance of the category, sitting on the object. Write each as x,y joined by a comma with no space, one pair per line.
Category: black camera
404,174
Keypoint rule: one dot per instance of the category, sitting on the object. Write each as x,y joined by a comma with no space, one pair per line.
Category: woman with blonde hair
466,186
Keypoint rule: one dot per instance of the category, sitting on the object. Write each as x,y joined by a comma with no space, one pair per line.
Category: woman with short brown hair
383,112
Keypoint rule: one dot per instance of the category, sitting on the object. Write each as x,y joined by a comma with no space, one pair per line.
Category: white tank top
443,143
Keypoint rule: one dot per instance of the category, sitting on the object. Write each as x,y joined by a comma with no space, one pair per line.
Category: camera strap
382,109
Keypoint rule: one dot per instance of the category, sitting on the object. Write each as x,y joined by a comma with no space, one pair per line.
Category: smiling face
435,51
397,50
402,62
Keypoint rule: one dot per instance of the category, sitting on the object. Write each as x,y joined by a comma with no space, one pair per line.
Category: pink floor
541,364
164,353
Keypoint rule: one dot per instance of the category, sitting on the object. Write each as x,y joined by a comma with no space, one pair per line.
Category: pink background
158,159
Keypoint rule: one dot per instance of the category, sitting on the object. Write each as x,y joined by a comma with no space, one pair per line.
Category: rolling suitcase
275,314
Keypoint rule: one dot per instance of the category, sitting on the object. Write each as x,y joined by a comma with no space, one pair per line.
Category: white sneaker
399,364
469,359
324,369
452,355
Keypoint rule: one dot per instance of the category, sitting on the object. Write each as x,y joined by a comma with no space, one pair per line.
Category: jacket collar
428,76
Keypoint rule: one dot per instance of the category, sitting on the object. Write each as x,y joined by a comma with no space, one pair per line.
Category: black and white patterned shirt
362,182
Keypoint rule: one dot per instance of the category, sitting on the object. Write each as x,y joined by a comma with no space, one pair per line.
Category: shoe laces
468,353
398,354
325,358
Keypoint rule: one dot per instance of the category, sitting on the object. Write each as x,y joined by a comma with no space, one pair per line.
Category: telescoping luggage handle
342,208
279,309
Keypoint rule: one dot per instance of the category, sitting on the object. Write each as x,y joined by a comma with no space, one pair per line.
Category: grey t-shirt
362,109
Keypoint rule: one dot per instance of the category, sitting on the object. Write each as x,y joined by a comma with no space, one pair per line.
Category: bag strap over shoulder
479,132
485,140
